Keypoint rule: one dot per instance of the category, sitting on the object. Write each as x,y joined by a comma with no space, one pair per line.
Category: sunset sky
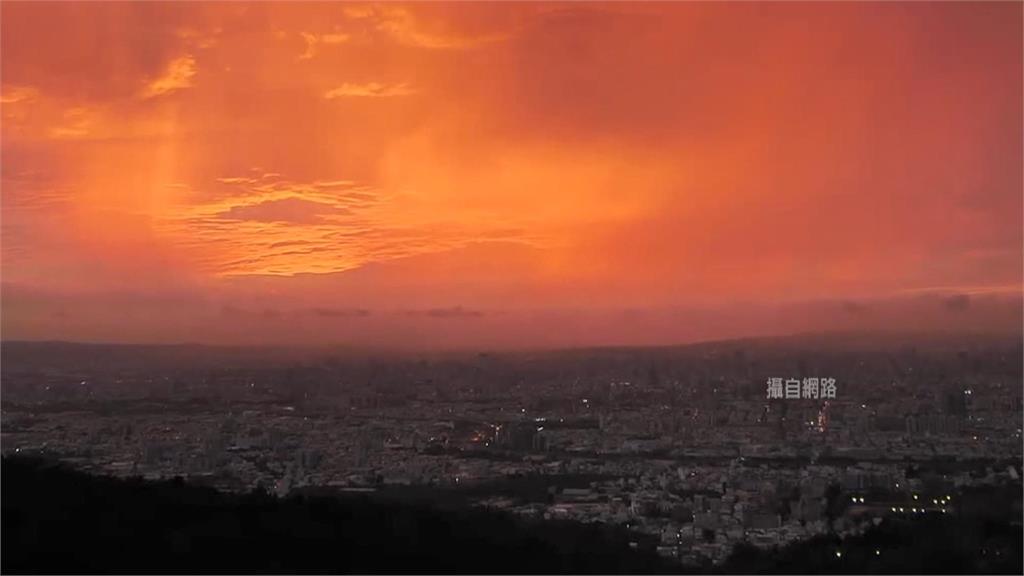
507,174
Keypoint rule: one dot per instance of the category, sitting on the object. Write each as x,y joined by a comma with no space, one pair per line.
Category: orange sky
507,174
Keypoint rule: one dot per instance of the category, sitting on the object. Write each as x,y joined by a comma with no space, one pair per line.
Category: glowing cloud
403,27
177,76
369,90
313,40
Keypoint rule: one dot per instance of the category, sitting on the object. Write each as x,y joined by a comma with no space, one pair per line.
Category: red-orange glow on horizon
396,164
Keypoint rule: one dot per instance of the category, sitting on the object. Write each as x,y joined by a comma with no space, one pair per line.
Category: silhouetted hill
59,520
56,520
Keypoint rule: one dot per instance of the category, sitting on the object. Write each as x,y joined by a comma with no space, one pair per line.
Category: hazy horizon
955,324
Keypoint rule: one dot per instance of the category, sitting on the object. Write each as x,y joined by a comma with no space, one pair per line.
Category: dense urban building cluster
685,446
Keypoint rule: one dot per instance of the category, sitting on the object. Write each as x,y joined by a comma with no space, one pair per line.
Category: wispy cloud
447,313
369,90
176,76
340,312
314,40
201,39
403,27
265,224
290,210
971,290
16,94
76,122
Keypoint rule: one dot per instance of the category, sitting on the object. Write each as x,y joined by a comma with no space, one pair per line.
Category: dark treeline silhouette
57,520
60,520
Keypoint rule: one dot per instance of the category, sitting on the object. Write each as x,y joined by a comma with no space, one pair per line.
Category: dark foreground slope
58,520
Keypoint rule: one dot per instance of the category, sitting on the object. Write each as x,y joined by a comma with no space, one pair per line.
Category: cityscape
682,446
511,287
